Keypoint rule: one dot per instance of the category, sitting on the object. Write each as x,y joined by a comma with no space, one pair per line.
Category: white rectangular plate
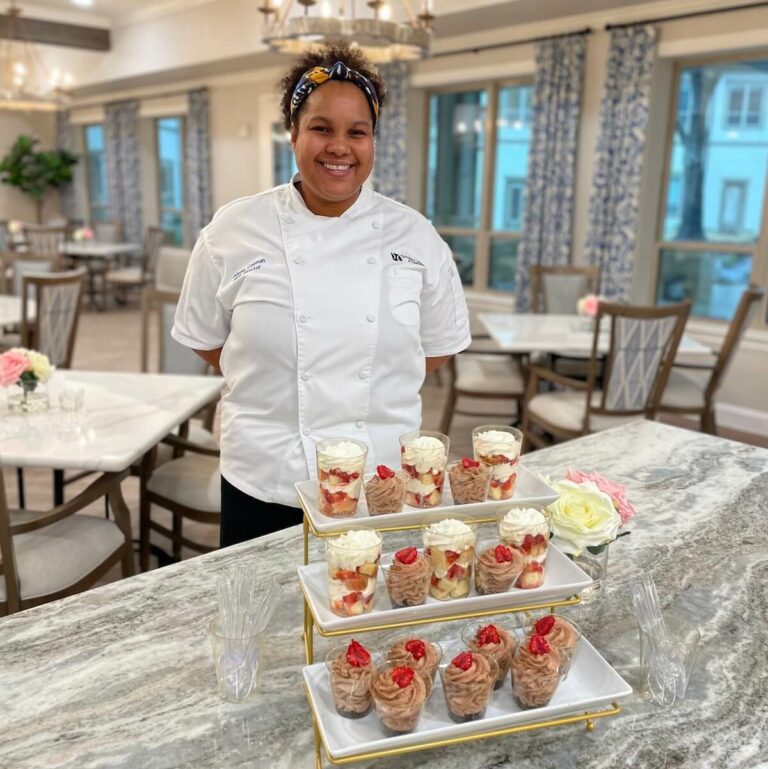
591,683
529,490
562,579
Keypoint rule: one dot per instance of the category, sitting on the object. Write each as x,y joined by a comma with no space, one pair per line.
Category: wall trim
740,418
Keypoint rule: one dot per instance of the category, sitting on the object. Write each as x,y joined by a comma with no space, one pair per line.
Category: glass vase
28,397
595,564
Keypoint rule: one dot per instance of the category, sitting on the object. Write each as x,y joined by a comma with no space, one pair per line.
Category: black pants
244,517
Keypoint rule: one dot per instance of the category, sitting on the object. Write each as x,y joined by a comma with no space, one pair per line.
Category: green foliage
35,172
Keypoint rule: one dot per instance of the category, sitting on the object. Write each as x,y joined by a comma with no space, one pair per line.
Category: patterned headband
316,76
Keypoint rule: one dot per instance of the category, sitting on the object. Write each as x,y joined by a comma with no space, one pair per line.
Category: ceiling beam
59,33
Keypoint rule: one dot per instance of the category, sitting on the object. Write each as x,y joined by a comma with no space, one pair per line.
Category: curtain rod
495,46
692,14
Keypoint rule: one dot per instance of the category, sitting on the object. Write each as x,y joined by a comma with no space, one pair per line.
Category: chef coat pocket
404,286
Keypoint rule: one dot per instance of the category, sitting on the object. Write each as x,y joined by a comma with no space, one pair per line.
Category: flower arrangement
586,307
588,513
25,368
82,233
15,226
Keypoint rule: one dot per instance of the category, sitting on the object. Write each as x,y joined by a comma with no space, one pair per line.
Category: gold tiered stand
310,625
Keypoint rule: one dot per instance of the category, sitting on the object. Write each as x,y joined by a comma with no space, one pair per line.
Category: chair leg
178,524
144,515
123,520
20,487
58,487
450,405
708,424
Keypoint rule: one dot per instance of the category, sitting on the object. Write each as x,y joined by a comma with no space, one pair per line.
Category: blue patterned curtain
615,200
198,166
549,186
65,140
389,171
121,151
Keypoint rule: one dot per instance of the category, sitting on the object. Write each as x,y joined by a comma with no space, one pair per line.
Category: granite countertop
122,676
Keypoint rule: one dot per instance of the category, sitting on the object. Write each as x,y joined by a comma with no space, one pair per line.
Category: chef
322,302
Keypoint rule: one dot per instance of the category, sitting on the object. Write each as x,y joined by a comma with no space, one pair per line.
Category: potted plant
33,172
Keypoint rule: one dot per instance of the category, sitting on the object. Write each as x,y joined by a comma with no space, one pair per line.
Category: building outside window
712,234
170,174
96,172
475,193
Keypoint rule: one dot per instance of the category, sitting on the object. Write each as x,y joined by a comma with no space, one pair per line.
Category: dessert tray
529,490
591,684
563,579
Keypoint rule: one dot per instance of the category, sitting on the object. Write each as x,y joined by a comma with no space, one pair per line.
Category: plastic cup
533,540
425,466
408,585
468,486
399,709
498,446
500,653
350,686
496,571
237,663
452,557
467,696
352,572
340,468
385,497
426,666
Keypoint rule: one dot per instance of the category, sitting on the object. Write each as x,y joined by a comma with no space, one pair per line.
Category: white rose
583,516
40,365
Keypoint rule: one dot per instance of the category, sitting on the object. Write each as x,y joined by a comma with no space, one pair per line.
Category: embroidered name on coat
252,267
405,258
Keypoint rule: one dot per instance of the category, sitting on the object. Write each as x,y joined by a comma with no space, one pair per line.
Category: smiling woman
322,302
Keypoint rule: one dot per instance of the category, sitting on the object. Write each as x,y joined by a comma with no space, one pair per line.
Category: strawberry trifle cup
450,544
340,467
353,563
424,456
498,447
527,528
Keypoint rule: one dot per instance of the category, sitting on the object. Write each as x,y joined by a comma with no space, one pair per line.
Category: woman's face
333,144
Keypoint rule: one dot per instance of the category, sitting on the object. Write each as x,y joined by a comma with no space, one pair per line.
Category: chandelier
25,81
380,38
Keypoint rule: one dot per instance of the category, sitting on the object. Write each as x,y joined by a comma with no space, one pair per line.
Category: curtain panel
121,151
549,188
615,200
389,171
65,140
197,143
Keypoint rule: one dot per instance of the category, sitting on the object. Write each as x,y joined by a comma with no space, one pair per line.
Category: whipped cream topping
502,472
449,532
493,442
344,455
354,548
425,453
522,520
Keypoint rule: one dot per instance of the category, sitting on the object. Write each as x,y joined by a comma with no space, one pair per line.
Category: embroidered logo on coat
252,267
405,258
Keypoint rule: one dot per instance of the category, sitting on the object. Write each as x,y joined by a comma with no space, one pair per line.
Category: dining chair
557,290
71,226
643,343
52,554
123,279
171,268
109,231
44,240
692,387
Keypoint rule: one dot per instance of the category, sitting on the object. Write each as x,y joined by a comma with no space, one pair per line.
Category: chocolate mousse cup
497,566
476,637
469,484
425,661
560,632
536,674
467,692
385,496
399,694
350,685
408,583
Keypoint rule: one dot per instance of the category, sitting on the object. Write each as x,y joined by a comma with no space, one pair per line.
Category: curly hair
327,56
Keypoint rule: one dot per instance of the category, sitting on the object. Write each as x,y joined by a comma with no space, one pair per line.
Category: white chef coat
324,324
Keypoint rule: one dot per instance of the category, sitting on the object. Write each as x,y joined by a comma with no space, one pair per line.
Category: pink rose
615,491
12,365
589,305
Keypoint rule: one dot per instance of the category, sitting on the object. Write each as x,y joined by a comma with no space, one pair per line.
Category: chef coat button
304,377
371,260
363,375
360,423
288,219
376,224
370,318
298,260
302,318
306,431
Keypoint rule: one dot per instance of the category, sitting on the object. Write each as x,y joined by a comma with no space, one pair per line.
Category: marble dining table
122,676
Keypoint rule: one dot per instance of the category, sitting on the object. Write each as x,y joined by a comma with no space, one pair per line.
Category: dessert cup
562,633
424,456
353,564
450,544
493,640
417,653
497,566
407,578
527,528
536,671
399,693
385,491
351,670
340,467
498,446
469,481
468,681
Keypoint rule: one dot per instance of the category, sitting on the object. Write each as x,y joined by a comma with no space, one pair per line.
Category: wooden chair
692,387
49,555
557,290
123,279
45,240
643,345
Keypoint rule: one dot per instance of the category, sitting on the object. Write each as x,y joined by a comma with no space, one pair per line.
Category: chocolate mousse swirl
425,666
467,691
408,583
398,708
501,653
535,676
350,685
494,577
469,484
563,635
385,495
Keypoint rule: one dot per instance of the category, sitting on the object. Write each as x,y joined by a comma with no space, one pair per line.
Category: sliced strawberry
507,485
434,580
350,598
416,647
428,551
494,483
466,463
344,574
535,566
463,661
357,655
456,572
451,556
357,583
488,635
544,625
403,676
503,554
539,540
407,555
538,645
384,472
527,544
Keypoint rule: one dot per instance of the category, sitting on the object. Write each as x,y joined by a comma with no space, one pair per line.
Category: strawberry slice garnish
463,661
357,655
384,472
538,645
403,676
451,556
503,554
527,543
407,555
455,572
416,647
544,625
467,463
488,635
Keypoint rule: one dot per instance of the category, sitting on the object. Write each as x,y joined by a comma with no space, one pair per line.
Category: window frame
86,153
757,250
484,235
158,175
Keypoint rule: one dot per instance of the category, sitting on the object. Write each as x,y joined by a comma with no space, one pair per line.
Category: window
96,171
170,172
475,194
283,160
710,244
